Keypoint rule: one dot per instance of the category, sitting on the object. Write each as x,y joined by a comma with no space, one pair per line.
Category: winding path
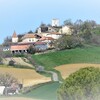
54,75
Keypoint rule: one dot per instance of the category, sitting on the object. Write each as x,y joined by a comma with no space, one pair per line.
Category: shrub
11,63
81,85
31,50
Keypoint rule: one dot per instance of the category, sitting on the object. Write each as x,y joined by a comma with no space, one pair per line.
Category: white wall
29,40
14,40
2,89
55,22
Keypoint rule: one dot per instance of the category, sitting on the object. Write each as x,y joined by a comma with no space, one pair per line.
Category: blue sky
25,15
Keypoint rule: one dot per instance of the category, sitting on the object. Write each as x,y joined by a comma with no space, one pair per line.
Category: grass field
45,92
78,55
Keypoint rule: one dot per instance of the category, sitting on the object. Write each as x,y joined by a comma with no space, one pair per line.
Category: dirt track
68,69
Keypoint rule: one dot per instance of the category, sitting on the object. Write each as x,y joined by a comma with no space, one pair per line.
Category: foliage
68,22
7,41
11,63
39,68
68,42
81,85
7,80
20,37
4,54
78,55
31,50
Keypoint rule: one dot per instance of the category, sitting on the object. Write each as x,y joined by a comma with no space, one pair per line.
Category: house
2,90
45,29
46,39
28,38
54,35
40,46
6,48
66,30
19,48
14,38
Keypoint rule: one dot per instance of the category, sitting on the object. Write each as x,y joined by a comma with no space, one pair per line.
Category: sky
25,15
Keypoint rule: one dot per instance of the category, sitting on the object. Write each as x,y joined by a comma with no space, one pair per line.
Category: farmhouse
19,48
28,38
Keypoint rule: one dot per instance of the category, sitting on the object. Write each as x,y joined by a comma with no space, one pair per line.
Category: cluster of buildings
42,40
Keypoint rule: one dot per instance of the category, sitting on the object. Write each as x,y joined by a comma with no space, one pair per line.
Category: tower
14,38
55,22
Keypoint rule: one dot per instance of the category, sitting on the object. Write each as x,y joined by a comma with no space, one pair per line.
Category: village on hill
41,40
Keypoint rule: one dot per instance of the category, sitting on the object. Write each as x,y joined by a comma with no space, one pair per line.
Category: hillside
78,55
27,77
18,61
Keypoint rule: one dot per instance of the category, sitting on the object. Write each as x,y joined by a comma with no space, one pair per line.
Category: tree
31,50
11,63
20,37
7,80
7,41
68,22
81,85
30,32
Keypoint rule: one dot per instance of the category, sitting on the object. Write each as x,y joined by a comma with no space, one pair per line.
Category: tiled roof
46,38
19,47
39,43
28,36
14,35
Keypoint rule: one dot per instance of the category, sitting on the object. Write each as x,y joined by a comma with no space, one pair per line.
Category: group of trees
81,85
67,42
83,32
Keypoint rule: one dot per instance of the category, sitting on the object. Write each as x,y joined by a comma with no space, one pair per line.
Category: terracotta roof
49,38
46,38
14,34
28,36
39,43
19,47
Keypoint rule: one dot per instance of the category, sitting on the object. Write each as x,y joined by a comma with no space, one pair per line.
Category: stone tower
55,22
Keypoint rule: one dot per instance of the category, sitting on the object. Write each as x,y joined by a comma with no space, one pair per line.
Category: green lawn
44,92
78,55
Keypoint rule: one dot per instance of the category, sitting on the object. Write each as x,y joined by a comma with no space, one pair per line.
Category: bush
81,85
31,50
11,63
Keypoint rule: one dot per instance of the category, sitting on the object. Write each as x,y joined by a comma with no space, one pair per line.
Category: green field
44,92
78,55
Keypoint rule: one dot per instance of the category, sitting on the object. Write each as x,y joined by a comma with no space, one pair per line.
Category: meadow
44,92
72,56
